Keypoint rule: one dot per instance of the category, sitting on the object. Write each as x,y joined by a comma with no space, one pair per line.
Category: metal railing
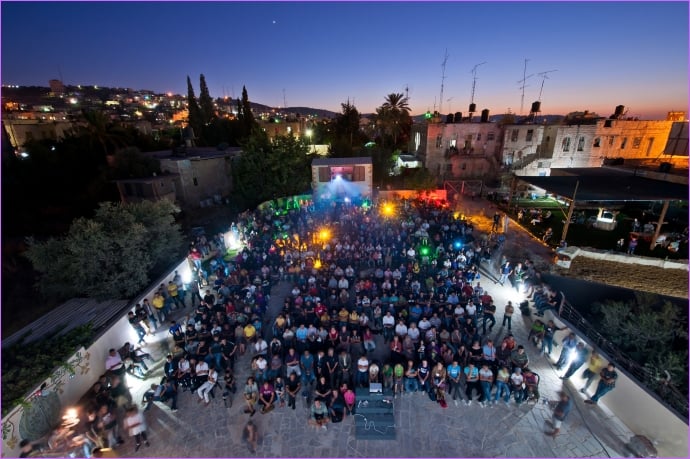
665,392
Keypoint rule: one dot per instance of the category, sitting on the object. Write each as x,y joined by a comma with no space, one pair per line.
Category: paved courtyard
423,428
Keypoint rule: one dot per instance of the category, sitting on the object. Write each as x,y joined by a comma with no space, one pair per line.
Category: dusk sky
321,54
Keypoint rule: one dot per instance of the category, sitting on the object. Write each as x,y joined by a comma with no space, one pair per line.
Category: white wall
638,410
88,363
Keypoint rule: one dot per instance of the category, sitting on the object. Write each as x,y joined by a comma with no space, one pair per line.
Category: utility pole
570,212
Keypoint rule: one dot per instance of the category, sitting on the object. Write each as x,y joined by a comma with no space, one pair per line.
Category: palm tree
393,117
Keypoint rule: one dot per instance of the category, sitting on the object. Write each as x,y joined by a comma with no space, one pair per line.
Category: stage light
424,250
457,245
388,209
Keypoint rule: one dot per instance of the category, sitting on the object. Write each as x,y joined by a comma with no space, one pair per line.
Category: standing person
136,426
577,361
594,367
489,311
135,322
292,387
560,412
569,344
508,314
606,384
454,372
506,271
250,435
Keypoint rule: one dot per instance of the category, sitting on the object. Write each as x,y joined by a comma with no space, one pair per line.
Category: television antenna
443,77
544,77
523,86
474,80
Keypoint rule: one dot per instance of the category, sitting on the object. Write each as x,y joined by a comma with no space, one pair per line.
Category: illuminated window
452,143
581,144
514,135
530,133
624,143
565,146
439,141
637,141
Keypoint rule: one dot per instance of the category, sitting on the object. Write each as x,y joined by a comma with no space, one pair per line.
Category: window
530,133
324,174
611,140
565,146
449,167
581,144
439,141
452,143
649,145
479,136
464,166
597,142
514,135
490,136
623,143
196,182
637,141
358,174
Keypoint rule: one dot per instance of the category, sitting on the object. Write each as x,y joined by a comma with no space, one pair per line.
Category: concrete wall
213,177
651,138
515,149
88,365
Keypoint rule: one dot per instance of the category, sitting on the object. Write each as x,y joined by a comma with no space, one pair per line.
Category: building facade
458,150
202,176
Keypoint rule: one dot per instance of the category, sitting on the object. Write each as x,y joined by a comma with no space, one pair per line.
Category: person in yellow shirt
249,332
174,294
594,367
158,303
354,320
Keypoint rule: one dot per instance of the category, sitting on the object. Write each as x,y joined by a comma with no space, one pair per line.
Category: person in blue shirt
454,374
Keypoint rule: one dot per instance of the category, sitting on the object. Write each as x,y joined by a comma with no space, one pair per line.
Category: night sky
321,54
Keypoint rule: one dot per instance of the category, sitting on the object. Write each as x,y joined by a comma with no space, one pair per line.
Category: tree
99,131
131,163
394,121
206,107
246,115
345,131
196,120
110,255
268,170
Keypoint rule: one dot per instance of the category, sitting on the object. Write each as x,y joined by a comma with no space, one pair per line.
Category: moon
274,21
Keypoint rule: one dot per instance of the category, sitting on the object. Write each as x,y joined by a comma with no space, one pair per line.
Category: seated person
161,393
536,333
319,414
531,381
267,396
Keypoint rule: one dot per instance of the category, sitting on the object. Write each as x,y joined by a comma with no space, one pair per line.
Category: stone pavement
423,428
